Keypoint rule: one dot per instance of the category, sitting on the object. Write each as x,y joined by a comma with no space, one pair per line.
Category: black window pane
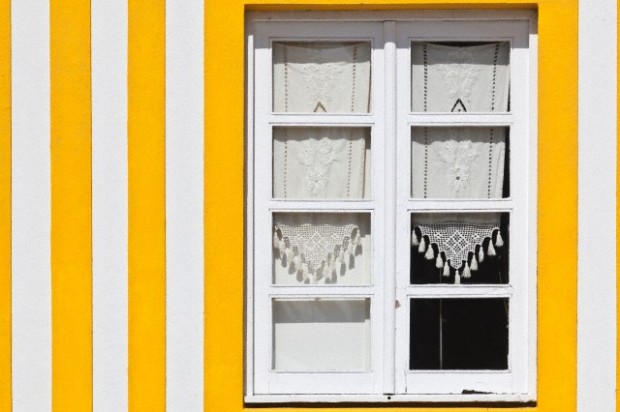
459,334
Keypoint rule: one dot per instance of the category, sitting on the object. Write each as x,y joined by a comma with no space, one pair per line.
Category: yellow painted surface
5,205
146,146
224,194
71,206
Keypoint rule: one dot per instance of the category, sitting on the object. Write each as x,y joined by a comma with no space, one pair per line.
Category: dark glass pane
459,334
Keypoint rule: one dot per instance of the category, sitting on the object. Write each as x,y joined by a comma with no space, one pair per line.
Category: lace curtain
334,163
458,162
321,163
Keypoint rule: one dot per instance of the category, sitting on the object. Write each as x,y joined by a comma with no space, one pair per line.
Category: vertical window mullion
390,264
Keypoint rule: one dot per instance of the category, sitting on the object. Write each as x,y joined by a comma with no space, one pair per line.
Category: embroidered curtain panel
334,162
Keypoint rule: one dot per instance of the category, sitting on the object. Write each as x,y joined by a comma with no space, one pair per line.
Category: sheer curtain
458,162
321,163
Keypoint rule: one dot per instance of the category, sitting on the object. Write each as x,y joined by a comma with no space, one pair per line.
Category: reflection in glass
456,248
321,248
459,334
459,162
321,77
321,163
321,335
460,77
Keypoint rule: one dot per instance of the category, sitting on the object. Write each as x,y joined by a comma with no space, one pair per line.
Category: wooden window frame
390,33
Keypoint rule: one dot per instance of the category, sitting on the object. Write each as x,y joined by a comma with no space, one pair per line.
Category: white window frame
390,206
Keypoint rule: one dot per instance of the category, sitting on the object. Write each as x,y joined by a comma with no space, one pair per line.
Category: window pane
459,162
321,335
455,248
460,77
459,334
321,248
321,77
321,163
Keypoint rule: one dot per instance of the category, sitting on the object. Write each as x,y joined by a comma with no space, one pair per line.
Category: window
392,191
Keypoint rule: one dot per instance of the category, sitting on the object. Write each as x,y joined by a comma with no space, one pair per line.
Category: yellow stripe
146,134
71,206
5,205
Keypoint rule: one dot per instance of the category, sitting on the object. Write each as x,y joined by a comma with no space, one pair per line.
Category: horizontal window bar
461,119
326,292
442,205
345,206
455,291
325,120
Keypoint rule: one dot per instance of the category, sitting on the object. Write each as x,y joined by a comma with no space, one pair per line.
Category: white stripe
184,205
31,284
109,203
597,206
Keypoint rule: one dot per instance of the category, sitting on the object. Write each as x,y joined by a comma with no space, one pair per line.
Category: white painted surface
31,276
596,365
184,205
109,204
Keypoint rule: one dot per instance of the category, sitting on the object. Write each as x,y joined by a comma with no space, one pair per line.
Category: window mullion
390,268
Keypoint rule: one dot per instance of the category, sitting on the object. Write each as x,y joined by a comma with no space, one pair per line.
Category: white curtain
330,77
465,78
321,163
458,162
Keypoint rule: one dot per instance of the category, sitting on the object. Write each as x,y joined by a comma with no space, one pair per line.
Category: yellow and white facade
122,203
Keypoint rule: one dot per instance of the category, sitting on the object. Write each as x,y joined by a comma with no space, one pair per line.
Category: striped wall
101,205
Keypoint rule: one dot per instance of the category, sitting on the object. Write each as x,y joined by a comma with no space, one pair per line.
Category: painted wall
103,228
557,195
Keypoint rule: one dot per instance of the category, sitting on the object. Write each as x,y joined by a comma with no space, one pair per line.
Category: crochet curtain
458,162
321,163
334,163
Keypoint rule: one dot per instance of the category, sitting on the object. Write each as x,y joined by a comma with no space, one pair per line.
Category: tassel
300,275
491,249
422,247
439,262
343,269
358,249
466,272
480,255
358,238
499,241
446,270
282,247
276,240
414,239
474,263
430,253
351,261
457,279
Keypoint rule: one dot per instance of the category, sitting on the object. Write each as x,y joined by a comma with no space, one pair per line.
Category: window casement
391,225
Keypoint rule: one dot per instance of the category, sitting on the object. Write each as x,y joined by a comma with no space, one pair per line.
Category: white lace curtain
334,163
463,162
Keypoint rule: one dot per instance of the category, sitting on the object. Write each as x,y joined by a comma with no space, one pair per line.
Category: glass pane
459,334
321,163
459,162
321,77
460,77
321,248
455,248
321,335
